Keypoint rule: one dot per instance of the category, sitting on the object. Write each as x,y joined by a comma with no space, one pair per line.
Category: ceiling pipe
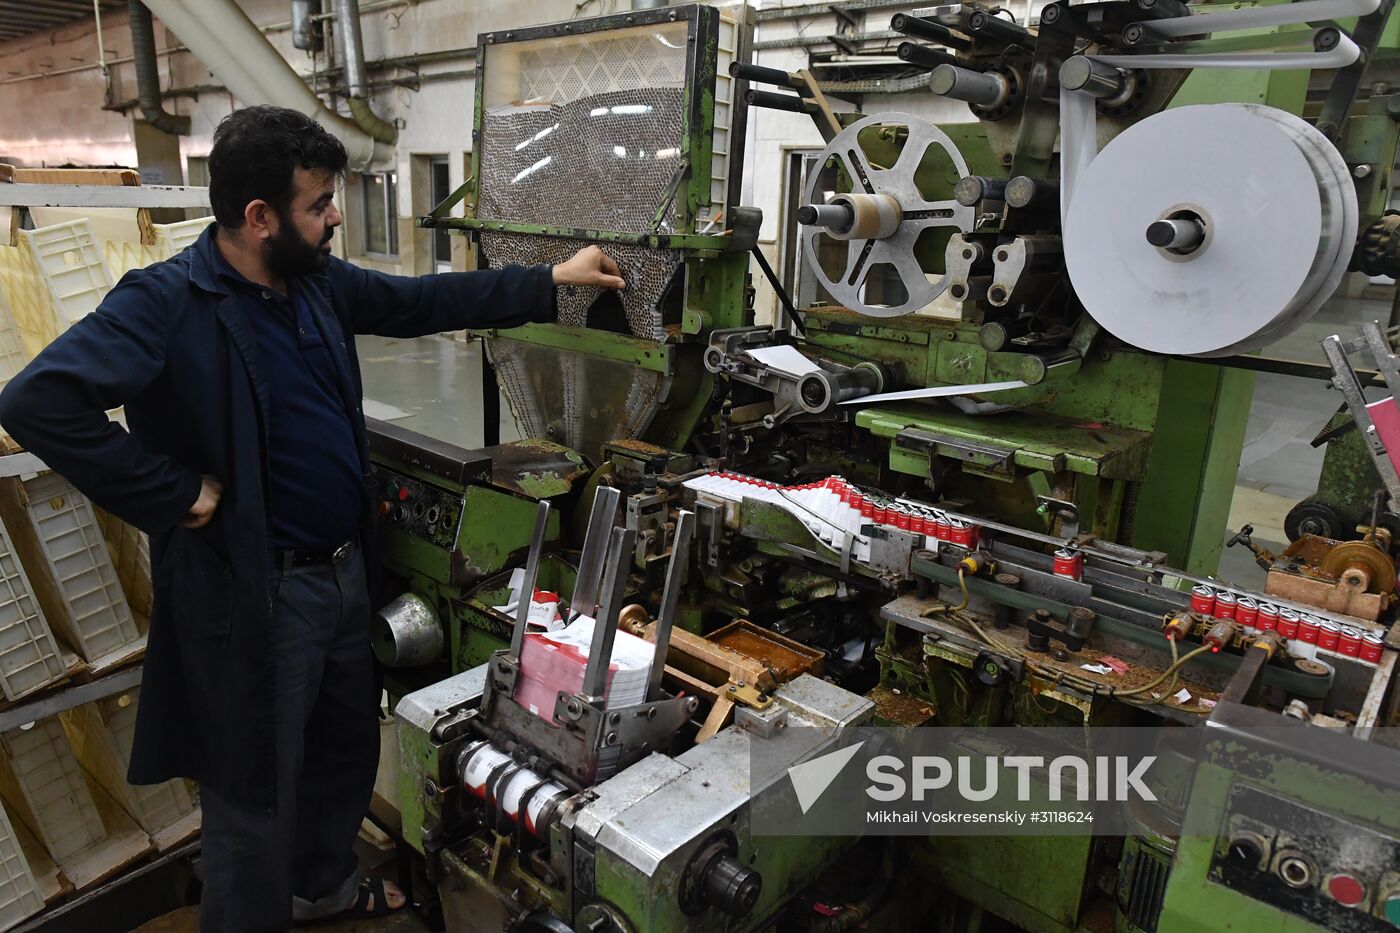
143,57
233,49
352,49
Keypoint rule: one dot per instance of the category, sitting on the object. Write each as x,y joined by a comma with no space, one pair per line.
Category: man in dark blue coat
246,463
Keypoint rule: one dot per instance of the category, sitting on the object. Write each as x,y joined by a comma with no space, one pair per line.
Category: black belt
286,560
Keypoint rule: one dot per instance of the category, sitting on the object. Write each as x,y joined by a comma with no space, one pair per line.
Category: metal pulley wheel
1360,566
881,218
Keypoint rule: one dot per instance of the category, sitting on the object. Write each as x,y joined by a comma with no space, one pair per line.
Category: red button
403,493
1346,890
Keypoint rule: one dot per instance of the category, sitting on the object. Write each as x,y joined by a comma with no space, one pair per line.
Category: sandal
370,887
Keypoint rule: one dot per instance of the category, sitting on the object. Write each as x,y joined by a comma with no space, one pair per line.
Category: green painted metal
712,245
478,628
1037,883
420,759
1039,442
1292,682
644,354
1192,901
495,531
1195,456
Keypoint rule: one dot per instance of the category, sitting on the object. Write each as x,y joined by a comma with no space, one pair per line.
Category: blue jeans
263,870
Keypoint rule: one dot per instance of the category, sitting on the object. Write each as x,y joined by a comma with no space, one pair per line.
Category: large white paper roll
1279,212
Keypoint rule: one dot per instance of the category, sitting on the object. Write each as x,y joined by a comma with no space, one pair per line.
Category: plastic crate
62,545
47,788
70,260
13,356
19,891
173,238
101,734
29,654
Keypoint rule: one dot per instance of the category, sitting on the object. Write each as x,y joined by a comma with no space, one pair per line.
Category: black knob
1245,853
732,886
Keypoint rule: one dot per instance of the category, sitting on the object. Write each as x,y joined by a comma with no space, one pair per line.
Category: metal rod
916,54
670,596
1386,362
775,101
70,697
527,585
595,677
974,189
762,75
1176,233
838,217
595,550
1081,73
983,89
921,28
984,24
789,309
101,52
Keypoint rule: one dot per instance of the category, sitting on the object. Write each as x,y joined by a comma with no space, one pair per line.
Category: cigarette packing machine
980,480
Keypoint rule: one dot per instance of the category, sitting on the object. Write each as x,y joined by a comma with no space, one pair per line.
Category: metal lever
595,548
595,677
527,586
1344,378
670,595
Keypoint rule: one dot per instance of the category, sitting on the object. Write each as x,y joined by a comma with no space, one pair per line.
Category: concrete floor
433,385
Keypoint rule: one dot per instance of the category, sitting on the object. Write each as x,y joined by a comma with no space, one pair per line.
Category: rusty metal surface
782,657
534,468
1297,587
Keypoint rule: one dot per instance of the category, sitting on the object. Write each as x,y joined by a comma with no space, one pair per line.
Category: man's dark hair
256,151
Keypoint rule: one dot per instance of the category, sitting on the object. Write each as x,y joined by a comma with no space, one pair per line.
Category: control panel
418,508
1338,874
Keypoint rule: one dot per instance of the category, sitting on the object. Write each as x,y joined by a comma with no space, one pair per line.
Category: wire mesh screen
574,398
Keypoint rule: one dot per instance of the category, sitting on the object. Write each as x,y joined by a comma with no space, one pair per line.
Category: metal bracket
749,695
1064,510
711,521
1344,378
988,457
527,585
595,546
665,619
642,727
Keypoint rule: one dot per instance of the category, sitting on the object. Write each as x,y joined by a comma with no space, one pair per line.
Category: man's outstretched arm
413,306
57,408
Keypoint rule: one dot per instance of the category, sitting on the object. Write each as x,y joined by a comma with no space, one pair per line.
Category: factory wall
56,102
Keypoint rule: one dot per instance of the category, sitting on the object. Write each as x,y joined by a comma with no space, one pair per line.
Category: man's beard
288,255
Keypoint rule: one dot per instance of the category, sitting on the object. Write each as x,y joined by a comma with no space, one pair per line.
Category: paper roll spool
1279,213
875,216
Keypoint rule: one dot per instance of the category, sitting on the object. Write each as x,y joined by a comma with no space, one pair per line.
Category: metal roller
880,220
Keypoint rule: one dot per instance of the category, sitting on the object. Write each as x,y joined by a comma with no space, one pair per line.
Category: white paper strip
937,392
783,358
1306,11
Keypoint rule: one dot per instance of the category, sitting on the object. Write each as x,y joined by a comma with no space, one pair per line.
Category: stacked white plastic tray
155,806
29,655
52,789
19,892
93,613
70,259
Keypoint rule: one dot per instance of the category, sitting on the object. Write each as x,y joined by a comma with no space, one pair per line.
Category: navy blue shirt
315,493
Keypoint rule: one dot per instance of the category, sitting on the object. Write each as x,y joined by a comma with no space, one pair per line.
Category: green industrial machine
996,455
